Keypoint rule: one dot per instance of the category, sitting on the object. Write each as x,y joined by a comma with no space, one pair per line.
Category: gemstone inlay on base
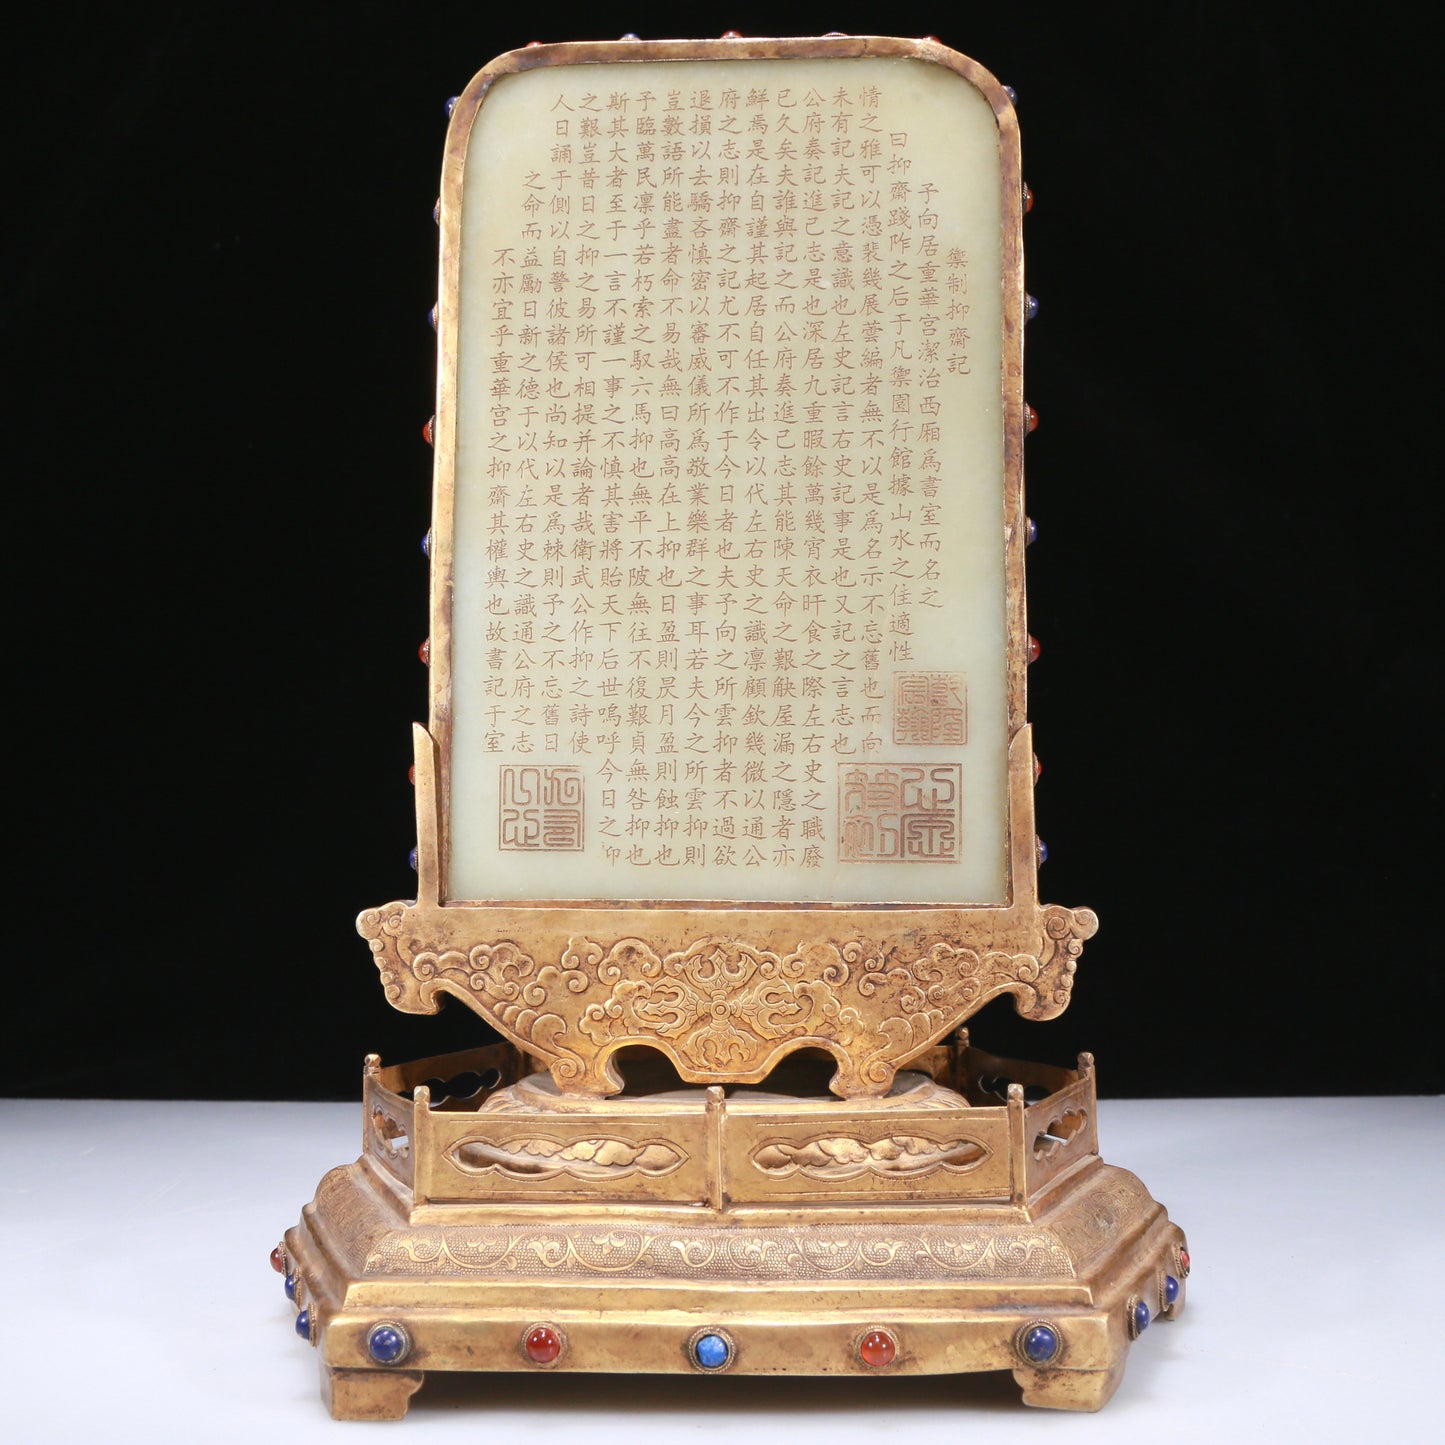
711,1350
877,1348
542,1344
1038,1344
387,1343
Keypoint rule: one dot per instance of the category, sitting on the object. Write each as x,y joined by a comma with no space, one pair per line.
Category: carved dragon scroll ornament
720,1010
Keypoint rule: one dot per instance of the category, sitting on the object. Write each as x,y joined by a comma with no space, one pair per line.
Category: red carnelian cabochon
542,1345
877,1348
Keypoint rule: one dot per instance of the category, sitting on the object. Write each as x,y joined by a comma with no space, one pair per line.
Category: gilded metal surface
724,1252
952,1275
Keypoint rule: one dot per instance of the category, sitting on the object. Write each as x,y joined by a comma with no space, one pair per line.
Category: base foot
368,1394
1071,1389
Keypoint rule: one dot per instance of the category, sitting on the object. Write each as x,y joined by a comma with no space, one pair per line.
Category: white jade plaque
728,615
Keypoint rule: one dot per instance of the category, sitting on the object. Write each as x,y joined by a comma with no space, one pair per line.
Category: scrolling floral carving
721,1010
857,1252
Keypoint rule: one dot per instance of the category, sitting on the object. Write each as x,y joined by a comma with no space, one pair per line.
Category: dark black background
218,265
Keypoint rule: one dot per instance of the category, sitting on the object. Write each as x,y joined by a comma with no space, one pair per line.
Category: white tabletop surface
140,1305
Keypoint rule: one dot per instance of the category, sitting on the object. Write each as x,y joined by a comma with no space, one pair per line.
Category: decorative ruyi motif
840,1157
861,1252
722,1011
586,1159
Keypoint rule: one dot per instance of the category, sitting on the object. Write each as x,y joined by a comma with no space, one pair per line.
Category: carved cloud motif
721,1010
592,1160
842,1157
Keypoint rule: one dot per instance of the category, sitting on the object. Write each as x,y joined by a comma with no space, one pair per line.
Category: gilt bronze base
963,1222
